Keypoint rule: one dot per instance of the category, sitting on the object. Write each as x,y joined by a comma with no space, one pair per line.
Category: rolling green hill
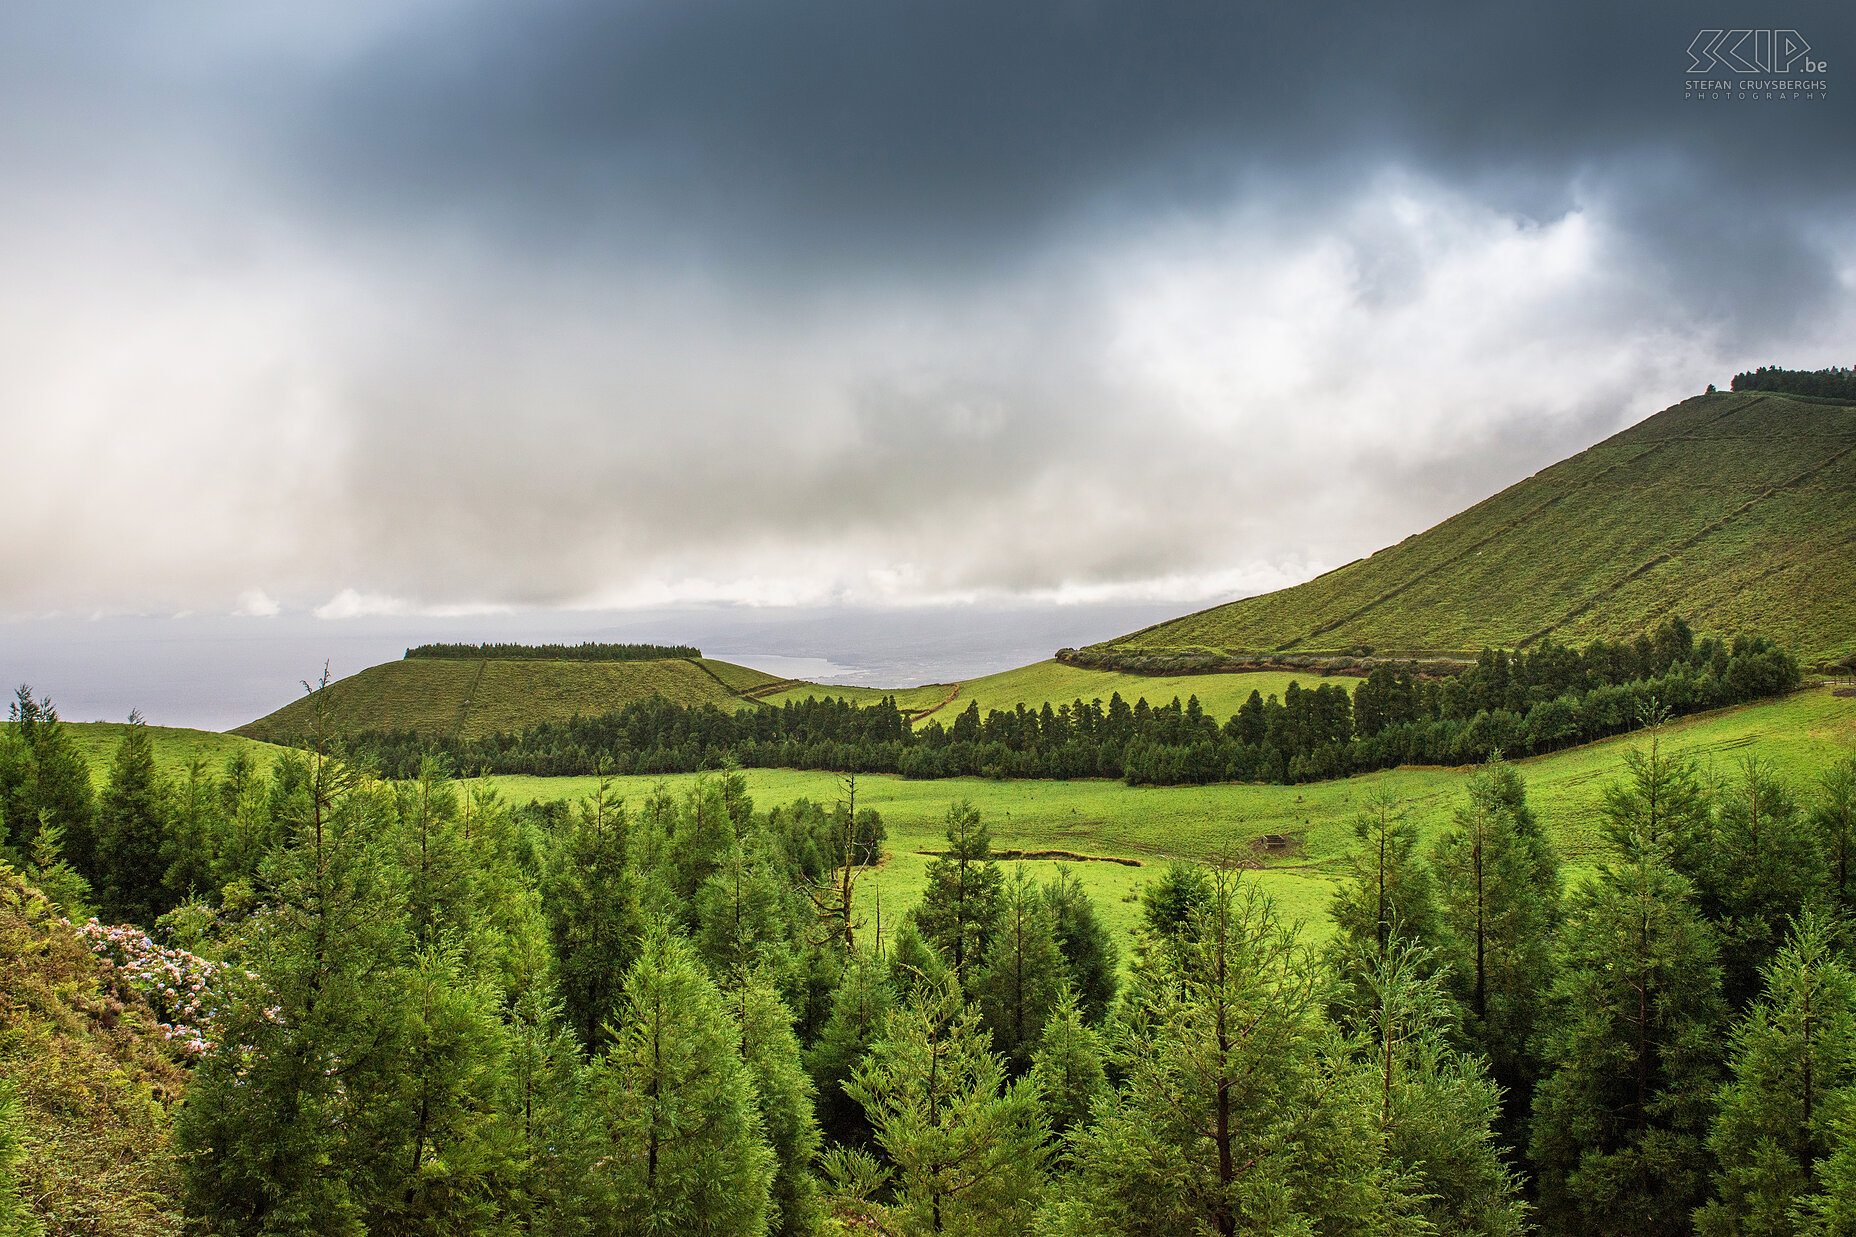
175,748
1058,684
1734,510
471,698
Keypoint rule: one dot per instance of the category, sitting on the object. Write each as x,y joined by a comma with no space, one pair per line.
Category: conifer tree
1235,1116
1499,907
1834,817
132,826
970,1148
912,962
678,1134
49,873
783,1094
1621,1117
1661,803
1024,972
196,838
297,1094
549,1122
1171,905
508,932
1831,1212
446,1159
961,902
53,784
19,807
858,1008
1391,896
252,827
1755,869
593,919
436,860
834,891
748,918
1089,951
1437,1105
1792,1060
701,833
1068,1065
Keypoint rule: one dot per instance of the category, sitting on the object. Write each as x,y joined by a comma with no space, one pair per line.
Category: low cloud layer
452,309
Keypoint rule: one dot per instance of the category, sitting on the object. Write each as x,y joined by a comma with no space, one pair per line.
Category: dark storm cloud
450,303
921,133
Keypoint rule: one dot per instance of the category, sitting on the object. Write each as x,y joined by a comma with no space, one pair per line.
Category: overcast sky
351,310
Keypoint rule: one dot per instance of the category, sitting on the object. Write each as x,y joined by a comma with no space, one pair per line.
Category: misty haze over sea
214,673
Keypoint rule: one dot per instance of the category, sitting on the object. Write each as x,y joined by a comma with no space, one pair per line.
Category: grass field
1737,511
1058,684
1800,735
473,698
175,748
908,699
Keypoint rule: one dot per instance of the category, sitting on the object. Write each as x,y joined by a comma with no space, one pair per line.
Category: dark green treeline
1833,383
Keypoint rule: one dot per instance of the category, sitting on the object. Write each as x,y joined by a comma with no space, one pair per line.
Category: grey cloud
953,297
962,128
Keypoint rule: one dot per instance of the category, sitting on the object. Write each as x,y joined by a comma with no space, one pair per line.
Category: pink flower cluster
178,985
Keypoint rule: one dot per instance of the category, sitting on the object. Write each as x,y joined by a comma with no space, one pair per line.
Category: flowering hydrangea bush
179,986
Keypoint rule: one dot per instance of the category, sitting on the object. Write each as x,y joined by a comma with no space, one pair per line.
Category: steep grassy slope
1737,511
94,1076
473,698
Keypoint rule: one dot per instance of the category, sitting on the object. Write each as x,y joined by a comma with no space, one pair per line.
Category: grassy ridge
474,698
908,699
175,748
1800,735
1219,694
1058,684
1737,511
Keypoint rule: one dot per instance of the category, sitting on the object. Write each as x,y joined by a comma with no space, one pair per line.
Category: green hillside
1736,511
1057,684
175,748
488,696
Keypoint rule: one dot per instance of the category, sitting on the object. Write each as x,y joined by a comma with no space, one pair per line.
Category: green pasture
175,748
1800,735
